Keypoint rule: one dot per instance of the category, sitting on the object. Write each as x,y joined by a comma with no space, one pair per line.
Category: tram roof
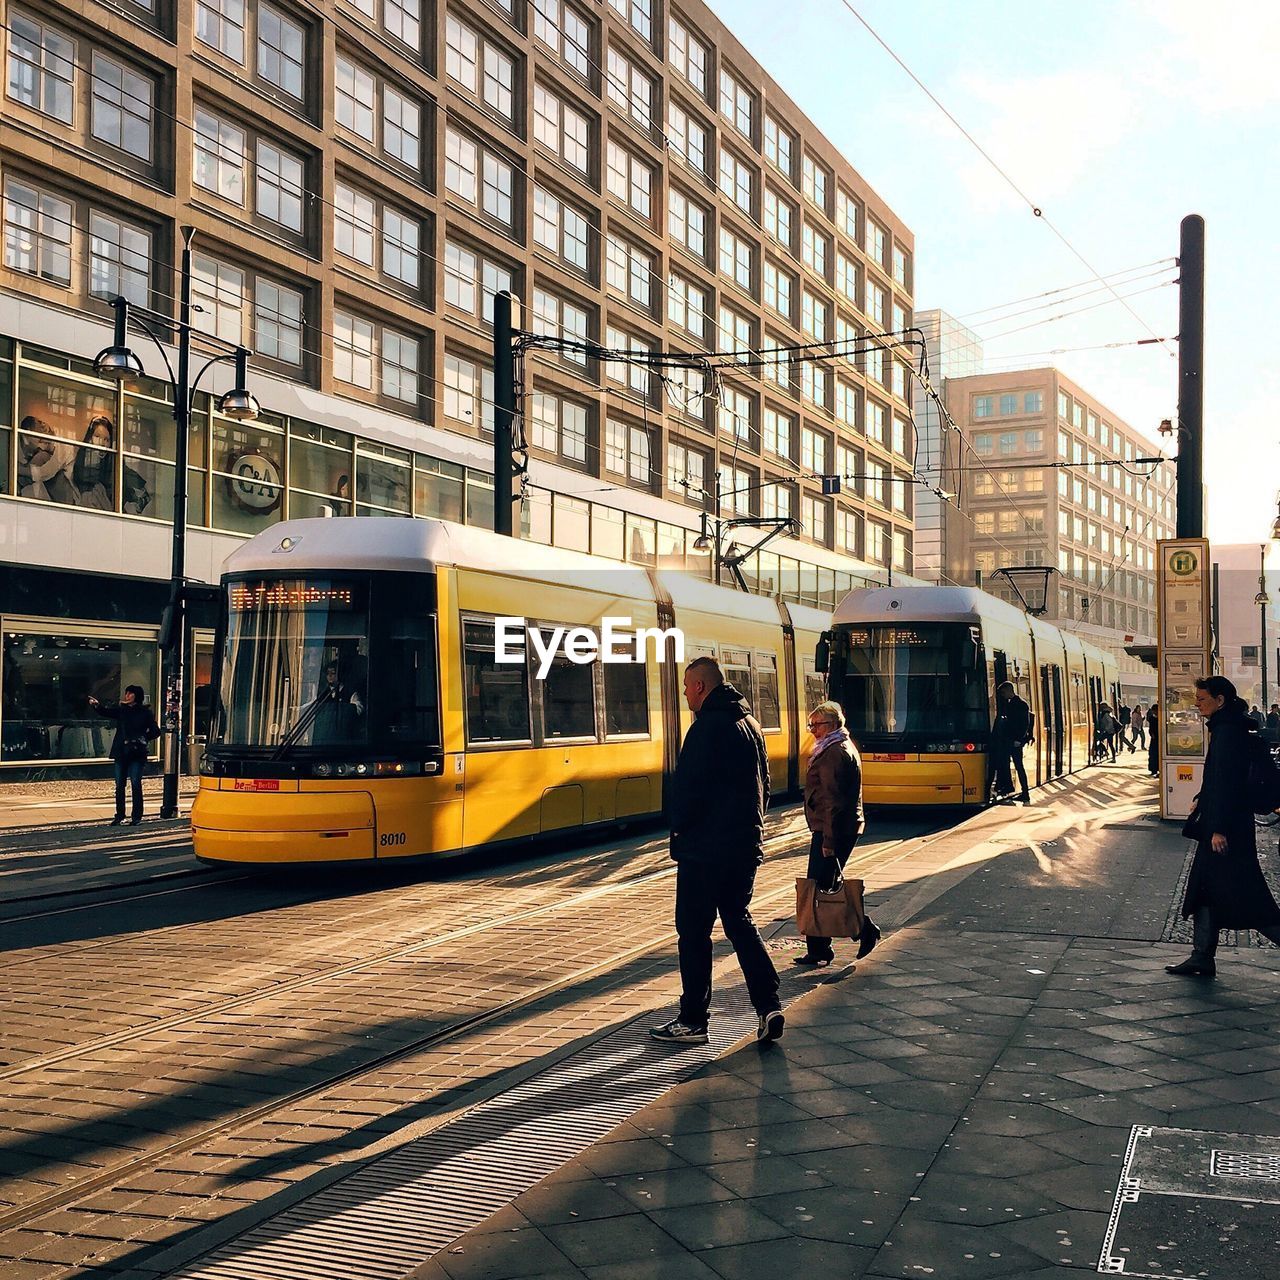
412,545
926,604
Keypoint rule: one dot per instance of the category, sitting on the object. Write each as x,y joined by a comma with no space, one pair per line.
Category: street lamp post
120,362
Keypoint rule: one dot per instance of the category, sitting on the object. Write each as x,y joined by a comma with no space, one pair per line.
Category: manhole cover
1194,1204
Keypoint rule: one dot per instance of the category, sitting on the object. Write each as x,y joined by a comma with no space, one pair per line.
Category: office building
1049,476
360,177
951,351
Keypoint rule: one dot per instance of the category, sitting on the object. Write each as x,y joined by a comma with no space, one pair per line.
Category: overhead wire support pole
1191,378
504,412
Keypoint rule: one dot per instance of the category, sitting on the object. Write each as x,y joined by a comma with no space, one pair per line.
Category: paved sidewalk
30,805
964,1102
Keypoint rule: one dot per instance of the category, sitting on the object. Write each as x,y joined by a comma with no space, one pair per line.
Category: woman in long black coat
1226,888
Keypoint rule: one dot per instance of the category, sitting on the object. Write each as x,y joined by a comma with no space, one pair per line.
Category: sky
1117,118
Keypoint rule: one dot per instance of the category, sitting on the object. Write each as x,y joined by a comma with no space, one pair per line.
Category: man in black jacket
136,730
1009,734
718,798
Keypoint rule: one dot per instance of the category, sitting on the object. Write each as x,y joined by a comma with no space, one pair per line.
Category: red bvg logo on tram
256,784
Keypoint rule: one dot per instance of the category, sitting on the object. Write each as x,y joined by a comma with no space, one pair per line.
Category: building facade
1247,630
952,351
360,177
1049,476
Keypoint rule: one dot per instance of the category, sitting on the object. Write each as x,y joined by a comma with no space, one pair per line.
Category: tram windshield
920,680
297,662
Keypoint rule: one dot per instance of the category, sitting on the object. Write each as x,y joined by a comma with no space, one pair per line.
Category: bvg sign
1183,563
254,482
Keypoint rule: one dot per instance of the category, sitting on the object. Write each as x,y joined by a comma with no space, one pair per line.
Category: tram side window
766,706
736,665
497,695
815,686
626,698
568,697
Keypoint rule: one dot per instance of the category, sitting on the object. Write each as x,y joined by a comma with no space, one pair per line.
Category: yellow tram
915,669
361,714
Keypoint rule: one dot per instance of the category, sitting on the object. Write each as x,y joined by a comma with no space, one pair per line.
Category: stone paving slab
971,1088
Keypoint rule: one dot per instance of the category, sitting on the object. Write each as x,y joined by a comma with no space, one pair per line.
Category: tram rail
78,1188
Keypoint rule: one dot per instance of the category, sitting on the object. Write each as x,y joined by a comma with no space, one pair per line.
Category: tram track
343,970
78,1188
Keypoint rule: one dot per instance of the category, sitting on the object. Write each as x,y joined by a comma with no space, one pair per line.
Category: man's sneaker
771,1025
677,1032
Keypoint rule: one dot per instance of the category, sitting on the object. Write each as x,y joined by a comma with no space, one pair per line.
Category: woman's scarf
827,740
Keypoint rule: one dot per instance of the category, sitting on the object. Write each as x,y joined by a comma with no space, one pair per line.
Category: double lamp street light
120,362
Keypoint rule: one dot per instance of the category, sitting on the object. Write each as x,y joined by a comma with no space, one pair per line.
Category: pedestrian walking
1105,729
719,795
1123,717
1137,729
1153,741
1226,888
136,730
1272,729
1010,733
833,810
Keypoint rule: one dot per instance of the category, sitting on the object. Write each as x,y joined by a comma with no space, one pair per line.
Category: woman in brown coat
833,810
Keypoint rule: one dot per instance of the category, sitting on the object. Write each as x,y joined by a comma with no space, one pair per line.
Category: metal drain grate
393,1214
1245,1164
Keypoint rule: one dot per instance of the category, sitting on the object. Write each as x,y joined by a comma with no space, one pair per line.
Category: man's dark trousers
704,890
1006,757
129,771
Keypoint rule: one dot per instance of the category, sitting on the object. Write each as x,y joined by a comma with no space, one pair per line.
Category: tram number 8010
387,838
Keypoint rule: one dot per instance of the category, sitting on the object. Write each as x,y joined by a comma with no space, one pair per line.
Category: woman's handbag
134,751
830,913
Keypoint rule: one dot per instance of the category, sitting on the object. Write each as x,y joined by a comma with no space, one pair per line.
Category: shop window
480,499
67,440
248,474
383,480
319,471
48,678
438,489
571,523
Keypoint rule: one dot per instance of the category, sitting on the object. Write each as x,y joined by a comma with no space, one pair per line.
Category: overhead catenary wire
1055,294
1035,208
1079,296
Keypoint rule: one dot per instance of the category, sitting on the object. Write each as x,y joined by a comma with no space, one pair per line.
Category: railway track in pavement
143,1109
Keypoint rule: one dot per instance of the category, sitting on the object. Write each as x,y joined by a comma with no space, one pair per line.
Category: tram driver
339,709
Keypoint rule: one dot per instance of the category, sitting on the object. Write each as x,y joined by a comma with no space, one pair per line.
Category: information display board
1185,655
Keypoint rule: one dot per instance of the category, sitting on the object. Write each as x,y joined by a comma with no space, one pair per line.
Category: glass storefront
70,438
48,673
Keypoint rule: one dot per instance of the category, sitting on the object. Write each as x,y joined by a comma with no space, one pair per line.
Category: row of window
1008,442
41,75
242,305
1088,423
1010,402
572,702
270,181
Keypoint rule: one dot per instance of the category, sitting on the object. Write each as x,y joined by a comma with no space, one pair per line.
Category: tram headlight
323,770
362,769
